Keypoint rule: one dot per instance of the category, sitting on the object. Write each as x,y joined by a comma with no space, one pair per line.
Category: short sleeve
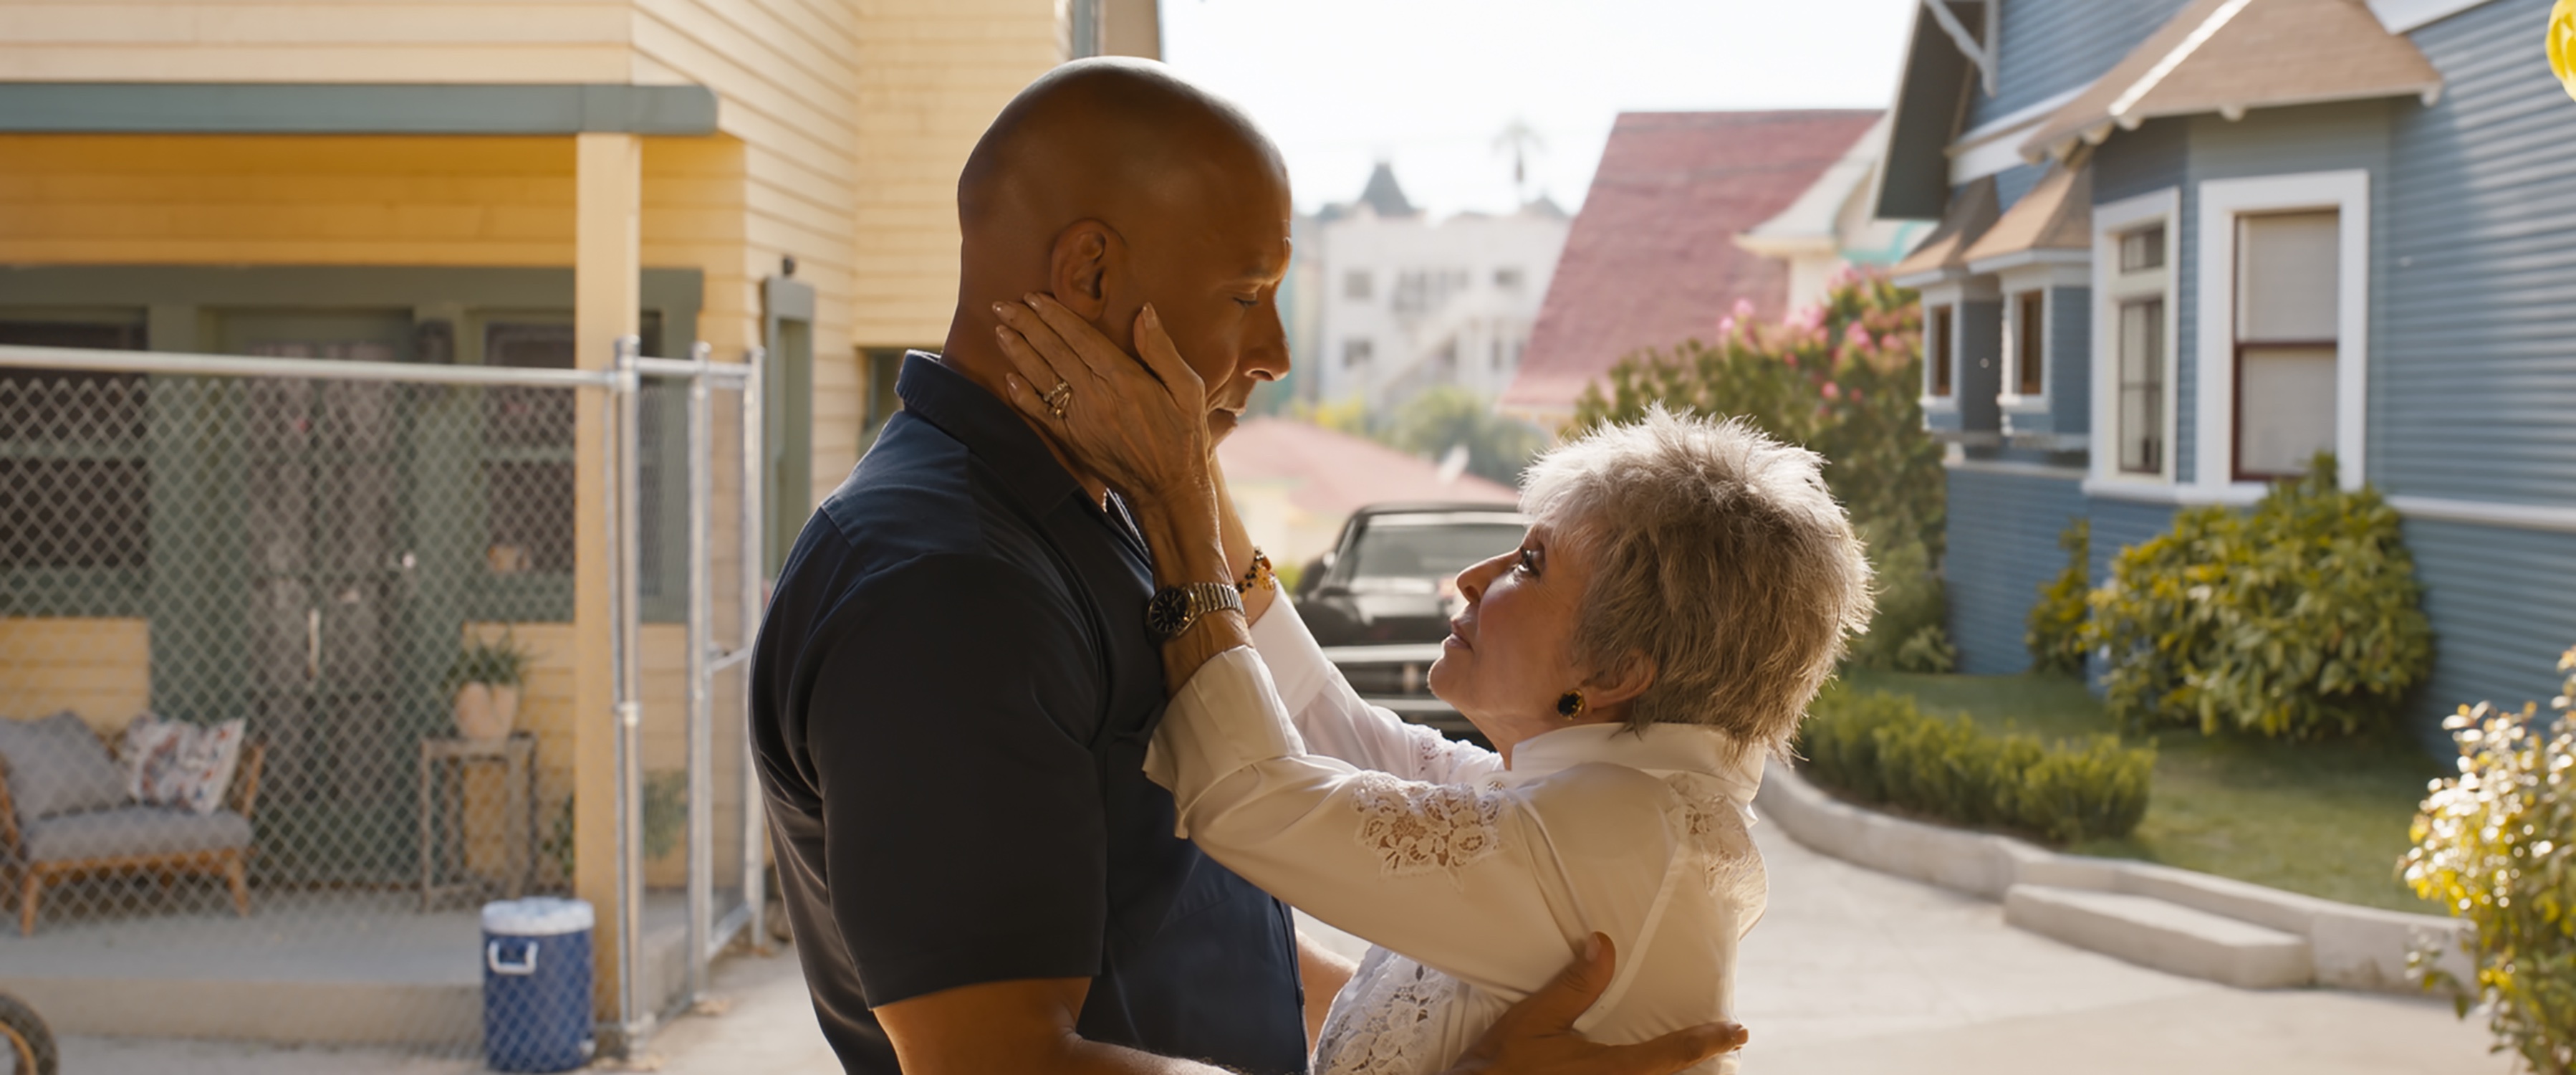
949,719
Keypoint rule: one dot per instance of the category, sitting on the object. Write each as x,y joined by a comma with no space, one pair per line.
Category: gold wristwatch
1174,609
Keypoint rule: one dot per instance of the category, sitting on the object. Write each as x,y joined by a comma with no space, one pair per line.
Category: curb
2348,947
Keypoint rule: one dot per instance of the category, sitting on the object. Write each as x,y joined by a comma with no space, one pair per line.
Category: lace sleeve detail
1385,1021
1712,830
1426,828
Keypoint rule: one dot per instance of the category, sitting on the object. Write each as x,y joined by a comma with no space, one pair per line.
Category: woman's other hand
1536,1037
1138,423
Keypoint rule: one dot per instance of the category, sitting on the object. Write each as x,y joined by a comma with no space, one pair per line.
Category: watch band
1174,609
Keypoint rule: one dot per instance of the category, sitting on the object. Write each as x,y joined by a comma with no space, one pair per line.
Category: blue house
2185,244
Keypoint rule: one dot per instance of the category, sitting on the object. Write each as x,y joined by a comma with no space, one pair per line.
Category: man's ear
1080,265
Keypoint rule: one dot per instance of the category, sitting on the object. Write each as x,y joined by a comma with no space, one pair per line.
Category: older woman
1684,589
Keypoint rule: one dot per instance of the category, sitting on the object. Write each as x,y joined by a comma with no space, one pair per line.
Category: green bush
1906,633
2497,845
1448,417
2298,619
2056,636
1882,748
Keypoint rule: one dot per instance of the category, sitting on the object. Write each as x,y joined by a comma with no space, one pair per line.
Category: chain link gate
260,617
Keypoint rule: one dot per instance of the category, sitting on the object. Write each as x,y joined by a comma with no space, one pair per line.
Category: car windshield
1425,549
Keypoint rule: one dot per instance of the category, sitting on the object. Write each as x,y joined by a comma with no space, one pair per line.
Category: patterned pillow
172,763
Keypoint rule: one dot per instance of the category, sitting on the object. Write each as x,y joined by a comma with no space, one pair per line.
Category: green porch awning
353,108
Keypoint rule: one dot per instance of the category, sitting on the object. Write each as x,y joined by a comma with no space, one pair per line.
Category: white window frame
2110,222
2042,278
2222,203
1955,293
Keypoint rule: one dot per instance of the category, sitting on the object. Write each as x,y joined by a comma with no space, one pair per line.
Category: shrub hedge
2497,845
2299,619
1882,748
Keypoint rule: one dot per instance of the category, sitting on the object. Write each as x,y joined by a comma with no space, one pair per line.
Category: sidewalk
768,1027
1855,971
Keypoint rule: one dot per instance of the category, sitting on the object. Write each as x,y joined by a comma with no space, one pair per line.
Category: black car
1379,602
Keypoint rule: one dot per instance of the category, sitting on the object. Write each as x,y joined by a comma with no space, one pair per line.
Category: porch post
607,293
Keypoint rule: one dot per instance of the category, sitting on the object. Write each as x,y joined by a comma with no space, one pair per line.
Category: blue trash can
536,984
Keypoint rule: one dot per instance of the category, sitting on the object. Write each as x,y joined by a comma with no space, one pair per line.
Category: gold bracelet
1260,574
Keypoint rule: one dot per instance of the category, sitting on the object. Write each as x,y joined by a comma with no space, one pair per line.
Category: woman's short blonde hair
1718,556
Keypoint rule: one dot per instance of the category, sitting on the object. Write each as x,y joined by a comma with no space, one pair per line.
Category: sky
1429,84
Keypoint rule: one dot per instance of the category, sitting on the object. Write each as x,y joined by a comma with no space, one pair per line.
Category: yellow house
502,182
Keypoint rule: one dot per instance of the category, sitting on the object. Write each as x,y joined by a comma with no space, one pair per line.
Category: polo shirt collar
1660,748
988,427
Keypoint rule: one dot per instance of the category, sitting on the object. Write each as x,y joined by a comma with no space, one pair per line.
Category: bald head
1111,137
1111,184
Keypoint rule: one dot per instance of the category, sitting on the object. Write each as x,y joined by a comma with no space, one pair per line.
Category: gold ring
1058,396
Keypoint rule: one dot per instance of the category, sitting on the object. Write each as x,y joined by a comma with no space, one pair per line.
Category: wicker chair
132,839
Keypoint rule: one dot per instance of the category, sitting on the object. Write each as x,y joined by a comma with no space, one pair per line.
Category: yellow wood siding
348,41
98,668
932,76
546,711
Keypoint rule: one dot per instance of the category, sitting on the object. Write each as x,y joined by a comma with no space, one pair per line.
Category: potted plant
486,679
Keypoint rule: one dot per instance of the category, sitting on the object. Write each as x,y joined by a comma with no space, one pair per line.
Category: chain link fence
287,652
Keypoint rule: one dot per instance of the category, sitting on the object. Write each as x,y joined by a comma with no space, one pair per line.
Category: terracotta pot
485,712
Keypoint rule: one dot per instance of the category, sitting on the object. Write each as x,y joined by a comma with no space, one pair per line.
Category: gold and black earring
1570,705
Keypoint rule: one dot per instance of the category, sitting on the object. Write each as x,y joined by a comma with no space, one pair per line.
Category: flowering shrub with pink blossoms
1843,378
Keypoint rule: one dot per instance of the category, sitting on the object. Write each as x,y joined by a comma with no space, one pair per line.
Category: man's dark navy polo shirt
951,699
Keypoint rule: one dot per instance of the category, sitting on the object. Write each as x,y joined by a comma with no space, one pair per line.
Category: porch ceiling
2227,56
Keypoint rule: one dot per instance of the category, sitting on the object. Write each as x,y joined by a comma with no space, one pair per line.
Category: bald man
954,687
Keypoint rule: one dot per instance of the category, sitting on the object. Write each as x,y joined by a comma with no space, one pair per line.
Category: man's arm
1027,1027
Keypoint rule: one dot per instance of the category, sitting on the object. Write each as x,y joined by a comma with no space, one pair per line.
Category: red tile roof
1652,260
1330,474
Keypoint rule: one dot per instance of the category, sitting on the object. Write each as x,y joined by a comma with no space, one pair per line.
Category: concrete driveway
1857,971
1851,972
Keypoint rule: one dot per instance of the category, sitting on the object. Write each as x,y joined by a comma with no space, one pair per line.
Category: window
2029,343
1355,353
528,453
73,481
1508,279
879,369
2141,353
2139,304
2143,249
2285,342
1356,285
1938,343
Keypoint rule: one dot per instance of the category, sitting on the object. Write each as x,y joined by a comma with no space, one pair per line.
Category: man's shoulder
920,494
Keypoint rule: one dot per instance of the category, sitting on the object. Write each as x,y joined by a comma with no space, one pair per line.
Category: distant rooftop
1384,195
1652,260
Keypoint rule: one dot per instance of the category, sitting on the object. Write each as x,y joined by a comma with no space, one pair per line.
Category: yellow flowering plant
2562,43
2497,845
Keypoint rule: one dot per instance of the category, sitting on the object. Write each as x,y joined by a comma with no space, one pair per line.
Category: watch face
1168,612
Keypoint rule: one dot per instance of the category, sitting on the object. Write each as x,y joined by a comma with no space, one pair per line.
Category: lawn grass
2326,819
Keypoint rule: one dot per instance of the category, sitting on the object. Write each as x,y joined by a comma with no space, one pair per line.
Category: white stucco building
1402,303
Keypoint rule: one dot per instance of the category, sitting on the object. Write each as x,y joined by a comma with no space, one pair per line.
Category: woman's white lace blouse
1476,883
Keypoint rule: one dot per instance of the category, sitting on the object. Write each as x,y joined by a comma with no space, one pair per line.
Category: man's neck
972,354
